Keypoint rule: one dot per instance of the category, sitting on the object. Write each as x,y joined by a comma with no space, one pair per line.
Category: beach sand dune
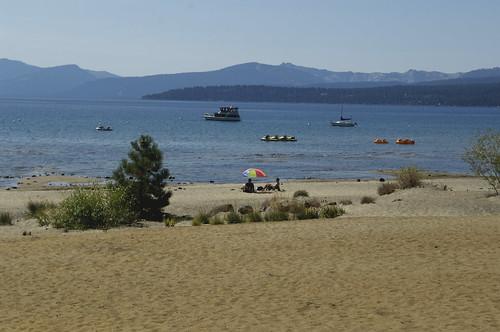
347,274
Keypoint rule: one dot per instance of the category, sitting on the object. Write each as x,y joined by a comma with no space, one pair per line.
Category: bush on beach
35,209
331,211
275,215
387,188
97,208
253,217
483,158
234,218
201,218
5,219
367,200
409,177
300,193
307,213
216,220
170,222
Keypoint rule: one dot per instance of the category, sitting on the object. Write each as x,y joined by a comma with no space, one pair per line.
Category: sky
135,38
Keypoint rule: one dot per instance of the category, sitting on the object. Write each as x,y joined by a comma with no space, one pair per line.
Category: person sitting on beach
277,186
249,187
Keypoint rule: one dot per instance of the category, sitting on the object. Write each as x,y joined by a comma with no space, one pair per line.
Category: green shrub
253,217
276,202
216,220
296,207
201,218
484,158
331,211
409,177
387,188
307,213
346,202
92,208
234,218
5,219
37,208
275,215
312,202
300,193
367,200
170,222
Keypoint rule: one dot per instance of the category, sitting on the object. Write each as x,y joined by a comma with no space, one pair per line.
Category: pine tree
144,177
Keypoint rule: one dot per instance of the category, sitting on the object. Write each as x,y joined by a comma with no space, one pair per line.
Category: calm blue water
39,136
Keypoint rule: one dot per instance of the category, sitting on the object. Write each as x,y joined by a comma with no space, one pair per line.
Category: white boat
225,113
344,121
103,128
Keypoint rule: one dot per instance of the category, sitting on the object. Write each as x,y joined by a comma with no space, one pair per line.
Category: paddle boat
405,141
380,141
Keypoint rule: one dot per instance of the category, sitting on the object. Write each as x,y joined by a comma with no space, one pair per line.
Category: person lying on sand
270,187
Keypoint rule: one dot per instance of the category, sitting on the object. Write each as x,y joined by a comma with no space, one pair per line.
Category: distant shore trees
449,95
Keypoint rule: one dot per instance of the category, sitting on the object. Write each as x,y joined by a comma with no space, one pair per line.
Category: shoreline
439,196
47,181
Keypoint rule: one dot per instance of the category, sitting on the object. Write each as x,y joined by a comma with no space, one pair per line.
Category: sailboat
344,121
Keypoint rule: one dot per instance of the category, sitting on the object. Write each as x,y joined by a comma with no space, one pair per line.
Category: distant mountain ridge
18,79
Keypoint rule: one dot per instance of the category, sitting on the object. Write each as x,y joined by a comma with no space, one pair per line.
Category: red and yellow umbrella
254,173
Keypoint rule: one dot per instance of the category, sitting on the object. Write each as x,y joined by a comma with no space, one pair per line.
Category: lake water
40,136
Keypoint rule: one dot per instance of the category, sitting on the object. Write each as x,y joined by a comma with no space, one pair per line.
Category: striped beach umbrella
254,173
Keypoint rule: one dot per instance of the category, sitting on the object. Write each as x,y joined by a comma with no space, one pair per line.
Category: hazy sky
166,36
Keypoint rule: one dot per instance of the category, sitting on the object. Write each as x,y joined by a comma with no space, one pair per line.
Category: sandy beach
424,259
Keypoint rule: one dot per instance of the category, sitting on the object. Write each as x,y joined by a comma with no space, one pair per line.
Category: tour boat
225,113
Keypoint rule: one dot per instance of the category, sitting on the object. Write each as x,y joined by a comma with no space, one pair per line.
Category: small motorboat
405,141
103,128
380,141
274,138
343,123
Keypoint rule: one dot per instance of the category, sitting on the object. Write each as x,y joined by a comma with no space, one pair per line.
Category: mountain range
18,79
